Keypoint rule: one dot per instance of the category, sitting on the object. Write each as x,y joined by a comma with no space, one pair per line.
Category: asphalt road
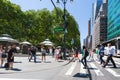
52,70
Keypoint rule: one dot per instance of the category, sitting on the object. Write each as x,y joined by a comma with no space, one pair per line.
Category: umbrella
5,35
47,42
27,43
8,39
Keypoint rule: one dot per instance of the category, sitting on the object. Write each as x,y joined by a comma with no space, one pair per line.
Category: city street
68,40
52,70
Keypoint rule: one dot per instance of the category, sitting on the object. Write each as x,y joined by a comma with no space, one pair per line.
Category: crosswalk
69,72
96,68
97,71
17,79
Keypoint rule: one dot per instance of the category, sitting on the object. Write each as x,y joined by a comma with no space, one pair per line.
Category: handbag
4,55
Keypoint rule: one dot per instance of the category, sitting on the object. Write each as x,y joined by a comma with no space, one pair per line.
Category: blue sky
80,9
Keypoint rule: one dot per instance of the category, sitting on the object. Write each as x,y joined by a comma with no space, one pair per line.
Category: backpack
86,53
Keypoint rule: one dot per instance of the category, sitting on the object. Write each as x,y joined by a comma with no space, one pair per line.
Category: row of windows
113,19
110,31
113,4
111,37
114,34
113,24
114,11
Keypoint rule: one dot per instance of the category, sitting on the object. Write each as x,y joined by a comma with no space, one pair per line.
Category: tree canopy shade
36,26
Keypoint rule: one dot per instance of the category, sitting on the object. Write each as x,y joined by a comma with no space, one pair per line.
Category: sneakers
104,66
114,67
84,67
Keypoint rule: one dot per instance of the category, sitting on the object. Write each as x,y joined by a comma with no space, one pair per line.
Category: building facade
113,19
89,36
96,7
100,26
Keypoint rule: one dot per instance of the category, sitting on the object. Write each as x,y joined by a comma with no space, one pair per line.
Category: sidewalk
21,64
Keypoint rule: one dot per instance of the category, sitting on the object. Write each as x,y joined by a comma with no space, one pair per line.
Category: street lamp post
64,17
65,24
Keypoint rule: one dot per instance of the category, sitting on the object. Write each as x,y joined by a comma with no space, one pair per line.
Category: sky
80,9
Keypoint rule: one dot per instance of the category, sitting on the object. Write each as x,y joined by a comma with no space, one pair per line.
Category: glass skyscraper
97,6
113,29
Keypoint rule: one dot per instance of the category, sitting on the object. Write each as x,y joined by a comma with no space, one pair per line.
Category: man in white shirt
110,52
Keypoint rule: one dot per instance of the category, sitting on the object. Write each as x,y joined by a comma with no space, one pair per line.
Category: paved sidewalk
22,64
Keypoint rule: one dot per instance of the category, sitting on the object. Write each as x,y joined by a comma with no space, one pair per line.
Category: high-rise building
113,19
96,7
99,34
88,40
89,27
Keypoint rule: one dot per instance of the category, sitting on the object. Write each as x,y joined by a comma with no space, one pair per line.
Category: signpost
59,29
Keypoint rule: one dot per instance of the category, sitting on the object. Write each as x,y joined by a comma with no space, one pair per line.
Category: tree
36,26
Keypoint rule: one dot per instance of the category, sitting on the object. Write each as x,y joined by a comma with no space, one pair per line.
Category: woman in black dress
11,56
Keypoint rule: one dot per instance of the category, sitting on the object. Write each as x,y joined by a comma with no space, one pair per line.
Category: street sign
58,29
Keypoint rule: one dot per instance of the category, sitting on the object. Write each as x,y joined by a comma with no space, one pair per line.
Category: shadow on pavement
92,68
90,76
47,62
60,61
16,69
17,61
38,62
115,68
81,75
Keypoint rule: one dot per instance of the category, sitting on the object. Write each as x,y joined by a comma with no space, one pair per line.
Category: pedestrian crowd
88,55
7,55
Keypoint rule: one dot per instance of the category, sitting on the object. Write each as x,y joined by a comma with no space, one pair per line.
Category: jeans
83,60
33,55
101,59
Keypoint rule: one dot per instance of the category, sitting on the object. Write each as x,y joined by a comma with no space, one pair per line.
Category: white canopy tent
47,42
8,39
25,43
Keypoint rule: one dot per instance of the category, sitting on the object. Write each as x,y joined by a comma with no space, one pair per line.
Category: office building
100,26
113,19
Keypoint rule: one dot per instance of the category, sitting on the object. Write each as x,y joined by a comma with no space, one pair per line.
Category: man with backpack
85,53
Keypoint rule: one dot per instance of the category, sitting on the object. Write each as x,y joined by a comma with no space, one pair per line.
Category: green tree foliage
36,26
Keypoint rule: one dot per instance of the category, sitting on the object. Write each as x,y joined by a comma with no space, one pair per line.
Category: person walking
3,55
101,54
90,58
33,54
97,52
44,54
29,53
57,52
11,52
75,56
50,51
85,53
110,52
